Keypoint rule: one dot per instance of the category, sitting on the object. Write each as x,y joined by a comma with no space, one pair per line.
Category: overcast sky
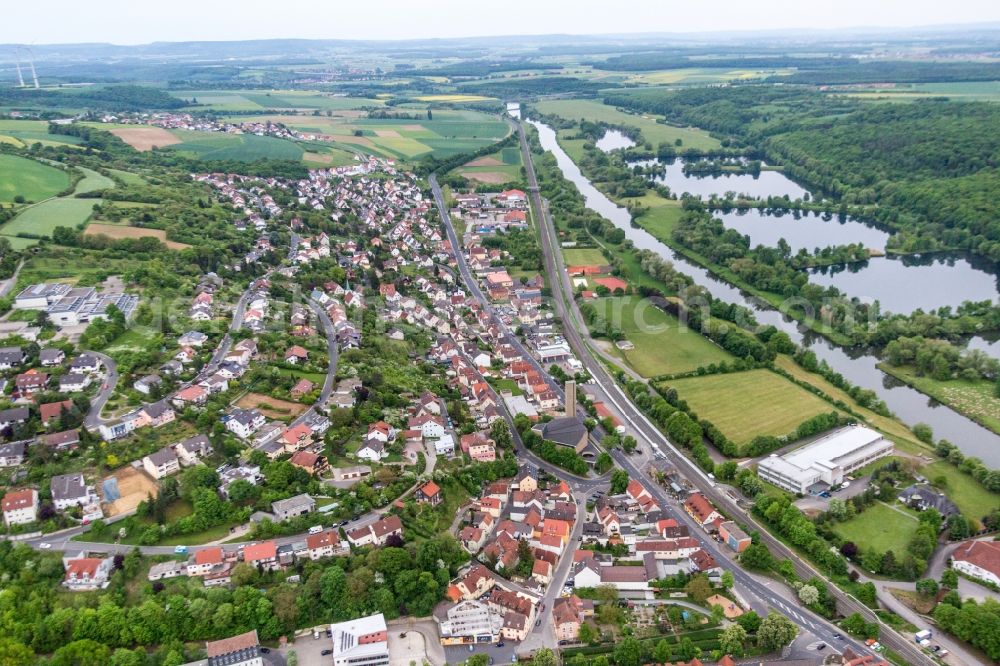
142,21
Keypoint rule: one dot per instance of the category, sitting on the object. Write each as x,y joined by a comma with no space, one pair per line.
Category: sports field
30,179
868,528
661,345
583,257
746,404
655,133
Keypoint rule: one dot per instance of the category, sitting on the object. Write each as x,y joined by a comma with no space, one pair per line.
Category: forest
107,98
931,165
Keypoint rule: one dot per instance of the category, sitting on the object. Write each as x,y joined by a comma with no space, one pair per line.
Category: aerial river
856,365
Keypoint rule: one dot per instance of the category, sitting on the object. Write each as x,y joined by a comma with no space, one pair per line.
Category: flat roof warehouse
826,460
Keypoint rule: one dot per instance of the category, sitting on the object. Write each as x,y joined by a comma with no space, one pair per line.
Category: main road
631,415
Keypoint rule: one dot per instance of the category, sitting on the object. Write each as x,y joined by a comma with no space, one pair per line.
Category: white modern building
361,642
978,559
825,461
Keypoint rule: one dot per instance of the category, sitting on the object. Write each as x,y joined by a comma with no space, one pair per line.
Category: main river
856,365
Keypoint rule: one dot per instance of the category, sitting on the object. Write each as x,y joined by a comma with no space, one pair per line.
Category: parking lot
821,502
308,650
406,648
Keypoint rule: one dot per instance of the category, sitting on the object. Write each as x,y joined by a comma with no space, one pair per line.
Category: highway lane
623,406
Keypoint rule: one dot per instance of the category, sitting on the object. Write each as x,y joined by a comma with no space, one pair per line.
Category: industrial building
826,461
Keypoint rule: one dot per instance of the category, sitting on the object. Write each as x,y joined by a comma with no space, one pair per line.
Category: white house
20,507
372,450
445,445
978,559
244,422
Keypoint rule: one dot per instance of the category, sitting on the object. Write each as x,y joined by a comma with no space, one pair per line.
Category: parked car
326,653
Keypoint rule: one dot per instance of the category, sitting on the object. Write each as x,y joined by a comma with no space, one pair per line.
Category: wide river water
856,365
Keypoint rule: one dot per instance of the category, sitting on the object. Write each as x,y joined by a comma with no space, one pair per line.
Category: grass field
662,345
661,220
896,431
966,91
23,133
744,405
241,147
583,257
697,75
656,133
868,529
128,177
973,500
92,181
256,100
975,399
449,132
118,231
30,179
40,220
453,98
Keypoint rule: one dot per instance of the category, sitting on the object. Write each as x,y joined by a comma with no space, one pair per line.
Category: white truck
921,636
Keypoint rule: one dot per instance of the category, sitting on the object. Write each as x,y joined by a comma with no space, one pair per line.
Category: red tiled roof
261,551
209,555
983,554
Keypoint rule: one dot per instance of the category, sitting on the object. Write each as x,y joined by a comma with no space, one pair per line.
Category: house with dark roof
922,497
10,357
12,454
161,463
14,416
565,431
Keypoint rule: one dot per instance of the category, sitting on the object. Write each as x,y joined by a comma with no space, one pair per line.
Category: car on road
500,644
180,550
839,637
45,545
265,650
326,653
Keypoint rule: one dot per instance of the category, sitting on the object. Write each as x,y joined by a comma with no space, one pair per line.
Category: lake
857,365
904,284
802,229
613,140
765,184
